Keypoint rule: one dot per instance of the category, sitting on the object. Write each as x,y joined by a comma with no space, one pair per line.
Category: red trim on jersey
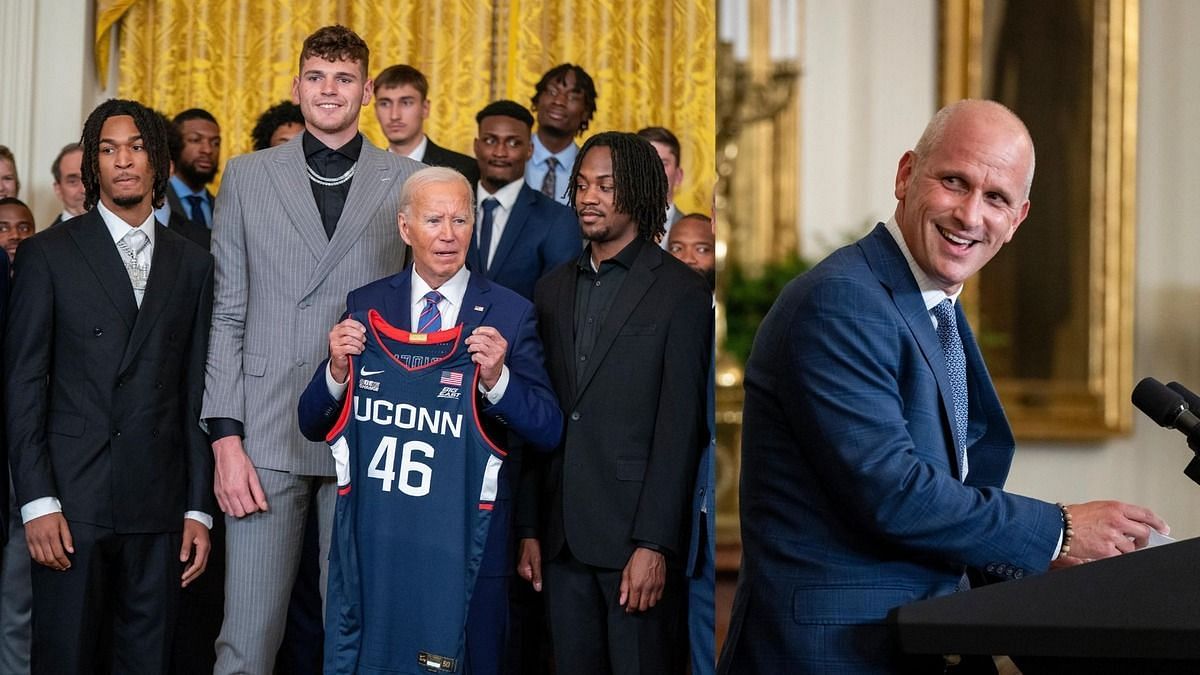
380,326
347,404
475,413
343,491
485,506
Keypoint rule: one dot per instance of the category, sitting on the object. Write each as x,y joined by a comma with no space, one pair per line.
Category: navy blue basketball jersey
417,477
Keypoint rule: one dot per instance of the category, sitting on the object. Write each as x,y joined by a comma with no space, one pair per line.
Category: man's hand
235,481
643,580
347,338
529,562
487,347
1108,528
49,541
195,536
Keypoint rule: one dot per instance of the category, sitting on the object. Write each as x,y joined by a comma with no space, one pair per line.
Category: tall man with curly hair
104,364
296,227
628,338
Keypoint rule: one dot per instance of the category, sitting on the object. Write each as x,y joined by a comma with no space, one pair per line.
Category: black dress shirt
329,163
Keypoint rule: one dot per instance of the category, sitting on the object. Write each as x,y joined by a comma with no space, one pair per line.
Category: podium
1135,613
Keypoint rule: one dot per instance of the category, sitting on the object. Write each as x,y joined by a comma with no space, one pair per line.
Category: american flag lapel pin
478,308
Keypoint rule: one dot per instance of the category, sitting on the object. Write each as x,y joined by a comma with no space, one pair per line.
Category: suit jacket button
116,433
575,417
97,332
158,385
1019,573
154,433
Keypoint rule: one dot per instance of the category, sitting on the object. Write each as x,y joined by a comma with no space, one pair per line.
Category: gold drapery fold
108,13
653,63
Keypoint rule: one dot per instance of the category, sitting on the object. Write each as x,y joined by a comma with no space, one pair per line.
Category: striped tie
548,187
430,319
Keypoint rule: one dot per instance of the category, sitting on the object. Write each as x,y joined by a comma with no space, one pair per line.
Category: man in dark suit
436,221
875,449
194,164
402,106
104,361
68,182
628,336
524,232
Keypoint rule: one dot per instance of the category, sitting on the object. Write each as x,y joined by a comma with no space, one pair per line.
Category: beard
126,201
190,174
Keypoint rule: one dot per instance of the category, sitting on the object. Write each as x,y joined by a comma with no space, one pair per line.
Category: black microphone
1192,400
1168,409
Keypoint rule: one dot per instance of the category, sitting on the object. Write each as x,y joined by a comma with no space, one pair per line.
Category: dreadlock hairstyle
150,125
583,82
284,112
640,182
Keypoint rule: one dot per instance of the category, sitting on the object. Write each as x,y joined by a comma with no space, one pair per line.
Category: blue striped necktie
956,367
431,319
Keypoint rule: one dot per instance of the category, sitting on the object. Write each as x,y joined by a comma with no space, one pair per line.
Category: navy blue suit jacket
850,499
540,234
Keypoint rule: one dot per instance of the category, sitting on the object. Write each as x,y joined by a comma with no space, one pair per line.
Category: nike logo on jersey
367,373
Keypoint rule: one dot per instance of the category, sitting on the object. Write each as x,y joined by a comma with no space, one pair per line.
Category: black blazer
194,232
436,155
104,397
636,424
3,444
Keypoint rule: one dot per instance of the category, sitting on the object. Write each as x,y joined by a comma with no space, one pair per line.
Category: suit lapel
373,179
522,209
100,253
396,305
638,280
289,173
475,304
892,270
164,272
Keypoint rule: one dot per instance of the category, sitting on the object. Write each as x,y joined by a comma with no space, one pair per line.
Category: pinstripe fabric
280,285
260,609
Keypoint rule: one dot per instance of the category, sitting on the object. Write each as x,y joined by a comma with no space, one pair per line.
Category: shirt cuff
222,427
653,547
200,517
336,389
497,392
1057,547
40,507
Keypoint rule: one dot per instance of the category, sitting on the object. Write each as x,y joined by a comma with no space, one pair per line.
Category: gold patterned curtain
653,63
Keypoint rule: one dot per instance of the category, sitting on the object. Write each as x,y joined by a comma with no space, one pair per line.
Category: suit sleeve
563,242
840,383
26,368
679,426
4,480
224,392
317,411
200,458
528,406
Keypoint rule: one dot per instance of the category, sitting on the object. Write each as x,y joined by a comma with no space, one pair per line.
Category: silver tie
132,245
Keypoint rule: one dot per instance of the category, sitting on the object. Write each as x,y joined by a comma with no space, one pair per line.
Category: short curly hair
334,43
284,112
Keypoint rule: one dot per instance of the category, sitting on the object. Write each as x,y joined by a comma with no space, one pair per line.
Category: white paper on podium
1157,538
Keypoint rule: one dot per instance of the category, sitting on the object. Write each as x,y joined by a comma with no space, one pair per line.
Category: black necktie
485,233
197,213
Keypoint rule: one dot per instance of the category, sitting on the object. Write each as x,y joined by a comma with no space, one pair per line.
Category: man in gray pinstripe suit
295,228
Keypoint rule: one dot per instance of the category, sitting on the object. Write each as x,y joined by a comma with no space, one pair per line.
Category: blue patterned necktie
956,367
431,319
485,233
548,187
197,210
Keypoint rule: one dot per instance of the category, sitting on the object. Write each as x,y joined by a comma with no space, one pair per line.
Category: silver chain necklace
331,182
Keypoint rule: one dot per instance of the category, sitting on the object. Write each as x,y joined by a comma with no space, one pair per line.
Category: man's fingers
625,584
67,541
260,498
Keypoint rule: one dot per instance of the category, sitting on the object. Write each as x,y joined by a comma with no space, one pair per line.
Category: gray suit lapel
289,173
373,179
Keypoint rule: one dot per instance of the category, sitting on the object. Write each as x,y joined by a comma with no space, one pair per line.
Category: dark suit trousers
114,610
592,634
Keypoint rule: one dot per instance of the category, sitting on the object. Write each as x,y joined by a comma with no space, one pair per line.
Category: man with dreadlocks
104,361
627,332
